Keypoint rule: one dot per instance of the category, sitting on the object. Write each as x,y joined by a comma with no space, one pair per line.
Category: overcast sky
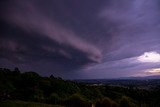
81,38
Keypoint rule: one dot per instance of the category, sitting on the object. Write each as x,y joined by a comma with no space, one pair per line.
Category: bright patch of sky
152,57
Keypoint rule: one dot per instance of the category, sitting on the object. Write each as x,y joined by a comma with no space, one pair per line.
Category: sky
81,39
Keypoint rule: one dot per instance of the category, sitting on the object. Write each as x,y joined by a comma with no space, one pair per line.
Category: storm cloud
79,39
37,37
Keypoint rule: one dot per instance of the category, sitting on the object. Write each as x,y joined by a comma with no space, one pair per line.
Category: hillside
31,87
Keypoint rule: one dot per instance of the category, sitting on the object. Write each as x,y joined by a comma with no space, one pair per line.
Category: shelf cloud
80,39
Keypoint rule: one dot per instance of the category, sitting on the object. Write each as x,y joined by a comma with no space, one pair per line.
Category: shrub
76,100
54,98
106,102
126,102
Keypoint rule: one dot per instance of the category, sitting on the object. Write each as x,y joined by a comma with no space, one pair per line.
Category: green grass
25,104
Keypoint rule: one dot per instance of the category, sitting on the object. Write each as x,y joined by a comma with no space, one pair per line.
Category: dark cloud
30,36
68,38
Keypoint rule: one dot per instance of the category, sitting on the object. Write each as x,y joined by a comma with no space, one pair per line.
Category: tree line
30,86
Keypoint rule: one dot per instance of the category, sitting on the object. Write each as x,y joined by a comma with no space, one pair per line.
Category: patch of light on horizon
147,72
152,56
153,71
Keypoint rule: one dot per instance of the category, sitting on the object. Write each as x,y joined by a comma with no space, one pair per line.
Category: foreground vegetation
31,87
24,104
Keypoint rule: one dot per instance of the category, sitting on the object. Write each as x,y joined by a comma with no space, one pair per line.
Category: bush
54,98
38,96
77,100
126,102
106,102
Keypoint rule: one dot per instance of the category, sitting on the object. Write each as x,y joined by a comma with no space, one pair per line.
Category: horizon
118,78
81,39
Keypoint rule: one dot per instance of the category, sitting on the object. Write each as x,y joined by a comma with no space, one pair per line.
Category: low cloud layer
79,39
35,36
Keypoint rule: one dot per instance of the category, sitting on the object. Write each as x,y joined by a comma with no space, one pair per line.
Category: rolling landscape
30,89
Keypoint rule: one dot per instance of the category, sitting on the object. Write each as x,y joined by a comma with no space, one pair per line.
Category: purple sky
80,38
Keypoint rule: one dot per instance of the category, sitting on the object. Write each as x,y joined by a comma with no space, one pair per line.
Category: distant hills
142,78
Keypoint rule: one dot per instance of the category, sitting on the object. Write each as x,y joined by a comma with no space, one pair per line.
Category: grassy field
24,104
